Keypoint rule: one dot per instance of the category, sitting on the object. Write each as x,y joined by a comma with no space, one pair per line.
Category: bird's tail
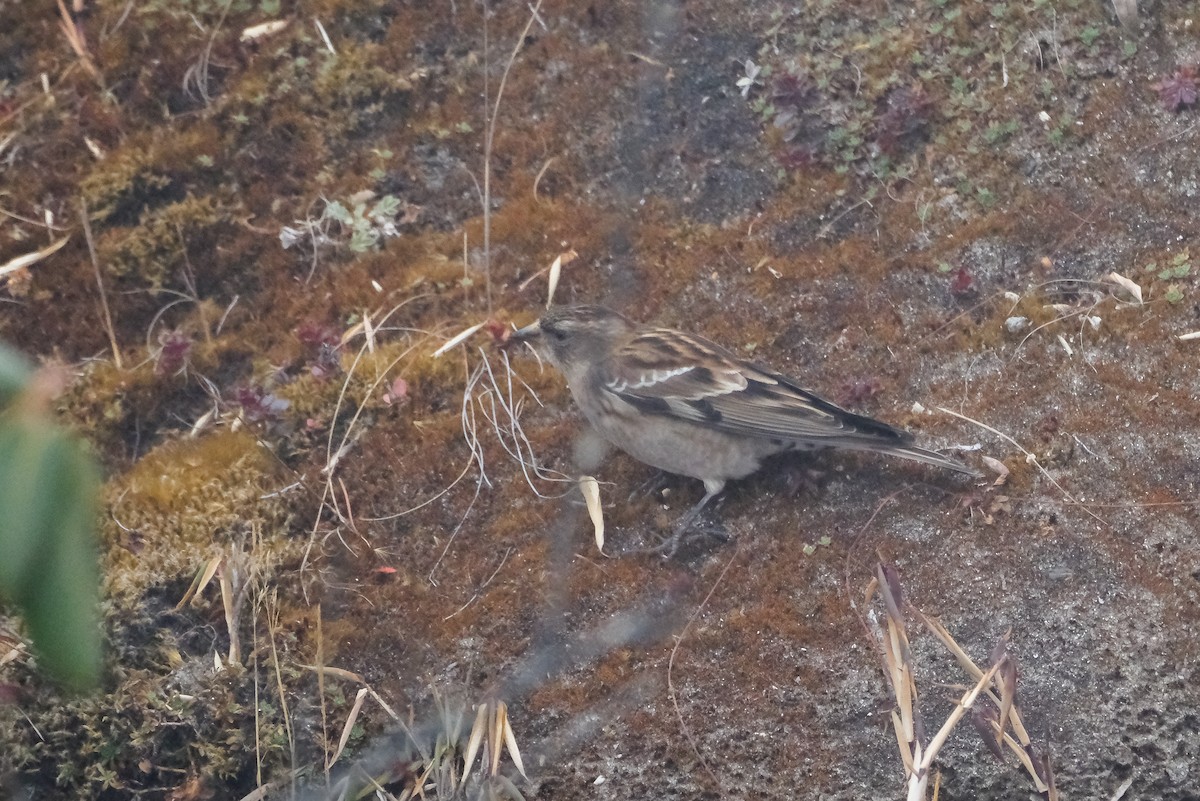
921,455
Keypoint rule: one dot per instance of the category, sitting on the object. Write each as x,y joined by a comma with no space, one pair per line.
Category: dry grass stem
490,137
917,753
512,436
258,761
1030,458
960,709
538,179
271,611
196,78
334,456
91,243
476,594
75,37
321,695
671,692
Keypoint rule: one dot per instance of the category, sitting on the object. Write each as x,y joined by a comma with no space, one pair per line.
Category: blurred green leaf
48,491
14,374
61,597
22,505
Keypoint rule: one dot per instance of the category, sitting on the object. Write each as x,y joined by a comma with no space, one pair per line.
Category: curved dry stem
1029,457
687,732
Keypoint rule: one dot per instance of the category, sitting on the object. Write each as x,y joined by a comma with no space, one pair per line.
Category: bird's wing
687,377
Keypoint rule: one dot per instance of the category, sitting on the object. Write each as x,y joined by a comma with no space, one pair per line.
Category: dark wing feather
678,375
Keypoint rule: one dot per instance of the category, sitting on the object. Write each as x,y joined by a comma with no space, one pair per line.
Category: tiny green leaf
386,208
337,212
362,240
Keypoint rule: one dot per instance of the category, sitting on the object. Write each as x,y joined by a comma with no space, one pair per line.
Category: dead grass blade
555,270
490,736
918,754
29,259
457,339
203,576
591,496
351,719
1133,292
476,739
75,37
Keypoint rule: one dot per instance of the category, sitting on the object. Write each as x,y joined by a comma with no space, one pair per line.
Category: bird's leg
687,523
649,486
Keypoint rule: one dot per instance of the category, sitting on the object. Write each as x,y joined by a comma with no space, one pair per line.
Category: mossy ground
896,183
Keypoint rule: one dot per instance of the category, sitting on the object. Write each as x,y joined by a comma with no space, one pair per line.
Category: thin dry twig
197,75
91,243
1029,457
75,37
490,136
687,731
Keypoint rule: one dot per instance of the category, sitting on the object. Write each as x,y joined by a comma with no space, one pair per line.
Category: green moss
156,247
353,82
100,401
185,502
122,181
153,729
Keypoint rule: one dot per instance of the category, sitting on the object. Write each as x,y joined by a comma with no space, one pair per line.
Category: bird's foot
689,529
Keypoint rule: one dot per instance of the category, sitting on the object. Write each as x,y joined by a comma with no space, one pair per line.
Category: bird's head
570,336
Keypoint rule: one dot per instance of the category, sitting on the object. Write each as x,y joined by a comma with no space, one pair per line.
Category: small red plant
325,342
173,352
962,282
856,392
1178,90
903,119
258,404
794,91
500,332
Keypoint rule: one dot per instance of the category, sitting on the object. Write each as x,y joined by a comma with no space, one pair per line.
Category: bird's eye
558,334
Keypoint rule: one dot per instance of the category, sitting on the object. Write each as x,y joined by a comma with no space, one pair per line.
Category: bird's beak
528,333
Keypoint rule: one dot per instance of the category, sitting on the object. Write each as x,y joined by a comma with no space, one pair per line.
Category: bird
685,405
